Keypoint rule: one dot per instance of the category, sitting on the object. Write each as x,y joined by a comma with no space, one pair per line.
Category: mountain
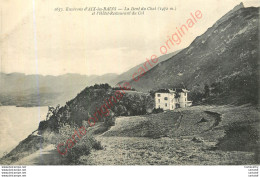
32,90
128,74
225,57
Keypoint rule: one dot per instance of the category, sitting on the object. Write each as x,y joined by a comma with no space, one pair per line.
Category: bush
196,96
81,147
97,146
157,110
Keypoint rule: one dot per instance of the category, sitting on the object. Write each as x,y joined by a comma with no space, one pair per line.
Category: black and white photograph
129,83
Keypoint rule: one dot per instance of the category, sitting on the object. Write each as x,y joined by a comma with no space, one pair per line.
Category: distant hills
38,90
225,57
33,90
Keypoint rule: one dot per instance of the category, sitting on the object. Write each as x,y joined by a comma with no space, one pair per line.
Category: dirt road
46,156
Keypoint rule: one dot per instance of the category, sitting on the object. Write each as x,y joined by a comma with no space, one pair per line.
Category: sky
36,39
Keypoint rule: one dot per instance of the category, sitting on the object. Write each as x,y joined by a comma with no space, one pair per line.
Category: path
46,156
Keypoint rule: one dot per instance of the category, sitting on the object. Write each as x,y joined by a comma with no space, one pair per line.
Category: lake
16,123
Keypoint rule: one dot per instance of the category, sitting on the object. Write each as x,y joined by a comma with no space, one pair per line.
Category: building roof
175,90
180,90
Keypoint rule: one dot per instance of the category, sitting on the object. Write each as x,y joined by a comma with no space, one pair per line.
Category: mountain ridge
227,50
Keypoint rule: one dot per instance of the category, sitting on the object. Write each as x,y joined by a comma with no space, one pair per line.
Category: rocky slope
128,74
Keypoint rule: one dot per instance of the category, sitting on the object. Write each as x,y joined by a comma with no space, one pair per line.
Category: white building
168,99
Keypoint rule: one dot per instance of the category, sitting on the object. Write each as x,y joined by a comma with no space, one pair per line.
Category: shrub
157,110
82,146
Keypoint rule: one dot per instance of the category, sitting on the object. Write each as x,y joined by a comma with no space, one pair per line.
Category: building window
165,98
185,99
172,100
158,100
158,95
165,104
172,107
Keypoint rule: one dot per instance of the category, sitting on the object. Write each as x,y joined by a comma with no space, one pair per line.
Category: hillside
128,74
201,135
225,57
98,103
92,102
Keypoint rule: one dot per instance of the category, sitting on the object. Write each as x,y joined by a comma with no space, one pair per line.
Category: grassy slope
197,135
